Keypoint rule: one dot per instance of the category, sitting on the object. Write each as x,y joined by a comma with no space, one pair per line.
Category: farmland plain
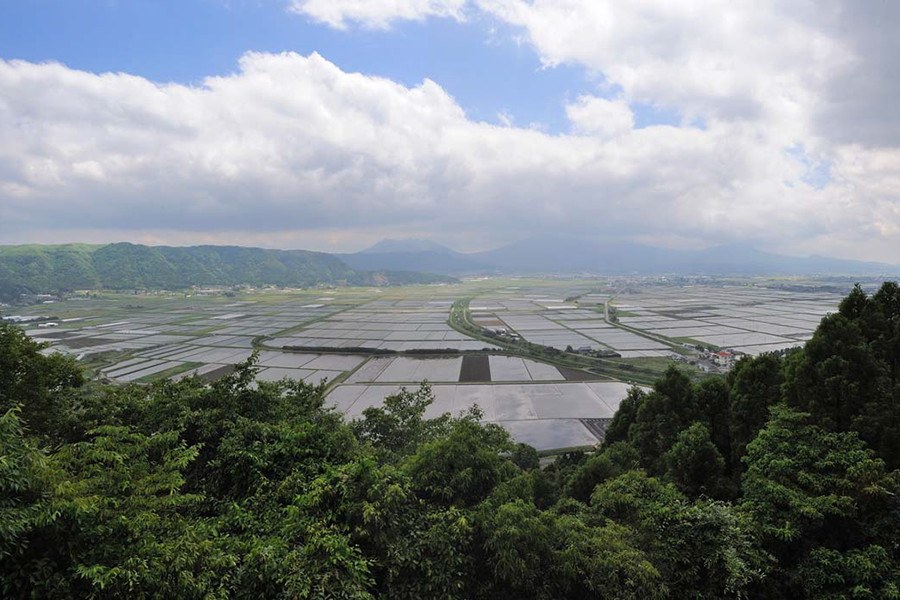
509,346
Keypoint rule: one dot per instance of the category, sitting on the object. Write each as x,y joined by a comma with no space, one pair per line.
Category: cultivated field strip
545,415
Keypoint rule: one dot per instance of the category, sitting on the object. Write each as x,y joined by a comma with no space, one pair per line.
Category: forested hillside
41,269
778,481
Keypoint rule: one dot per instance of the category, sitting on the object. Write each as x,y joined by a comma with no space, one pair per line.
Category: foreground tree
694,464
824,506
701,549
43,387
848,375
24,500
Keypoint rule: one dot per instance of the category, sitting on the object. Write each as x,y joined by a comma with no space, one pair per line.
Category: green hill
46,269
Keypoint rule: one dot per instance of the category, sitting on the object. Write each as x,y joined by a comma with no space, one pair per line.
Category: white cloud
377,14
291,148
505,119
801,68
761,77
715,60
600,116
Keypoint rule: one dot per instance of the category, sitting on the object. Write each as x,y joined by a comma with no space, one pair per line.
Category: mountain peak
406,245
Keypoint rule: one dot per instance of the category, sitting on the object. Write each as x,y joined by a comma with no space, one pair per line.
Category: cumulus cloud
600,116
377,14
292,146
830,64
715,60
762,78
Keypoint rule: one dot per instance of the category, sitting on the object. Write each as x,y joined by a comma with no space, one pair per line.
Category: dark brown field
576,375
475,369
217,373
88,342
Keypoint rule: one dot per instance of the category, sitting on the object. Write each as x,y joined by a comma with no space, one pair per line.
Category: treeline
778,481
52,269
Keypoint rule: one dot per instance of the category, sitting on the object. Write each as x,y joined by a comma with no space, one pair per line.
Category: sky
331,124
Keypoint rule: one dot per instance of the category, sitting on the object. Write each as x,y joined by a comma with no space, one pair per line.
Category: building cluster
723,360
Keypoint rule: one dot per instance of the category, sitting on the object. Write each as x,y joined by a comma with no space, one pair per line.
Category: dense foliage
777,481
44,269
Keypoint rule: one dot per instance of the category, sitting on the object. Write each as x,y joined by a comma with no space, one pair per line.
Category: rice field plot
394,325
414,370
403,369
272,366
737,340
145,323
551,434
618,339
644,353
508,368
84,342
132,366
279,373
745,319
544,415
475,369
215,372
549,321
147,371
287,360
542,371
206,372
313,377
334,362
371,370
575,374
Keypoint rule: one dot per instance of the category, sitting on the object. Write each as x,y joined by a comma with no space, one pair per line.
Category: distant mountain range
43,269
408,245
569,255
50,269
414,255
